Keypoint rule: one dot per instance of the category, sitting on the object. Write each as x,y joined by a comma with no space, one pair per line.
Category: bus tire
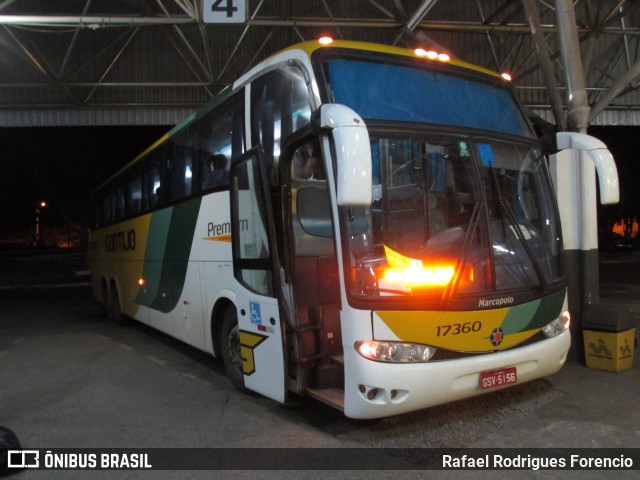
106,301
115,309
231,355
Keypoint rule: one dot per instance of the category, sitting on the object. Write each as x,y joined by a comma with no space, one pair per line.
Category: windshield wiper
464,252
506,208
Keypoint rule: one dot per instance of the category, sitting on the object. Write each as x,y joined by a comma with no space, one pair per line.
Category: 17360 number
458,328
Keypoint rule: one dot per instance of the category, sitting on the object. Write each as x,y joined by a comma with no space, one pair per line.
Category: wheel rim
233,348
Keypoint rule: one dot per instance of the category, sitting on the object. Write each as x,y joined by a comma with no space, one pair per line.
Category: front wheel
231,353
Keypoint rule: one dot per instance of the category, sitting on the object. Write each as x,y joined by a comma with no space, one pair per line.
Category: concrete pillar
575,179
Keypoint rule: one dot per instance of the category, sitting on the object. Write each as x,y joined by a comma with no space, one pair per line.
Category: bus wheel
114,308
231,354
106,301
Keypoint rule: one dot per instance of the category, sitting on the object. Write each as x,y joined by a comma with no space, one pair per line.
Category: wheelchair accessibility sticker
254,308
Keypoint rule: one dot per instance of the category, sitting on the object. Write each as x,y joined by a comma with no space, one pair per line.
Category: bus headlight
558,326
395,352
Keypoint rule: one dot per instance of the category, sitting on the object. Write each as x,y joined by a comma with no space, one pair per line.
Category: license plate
498,378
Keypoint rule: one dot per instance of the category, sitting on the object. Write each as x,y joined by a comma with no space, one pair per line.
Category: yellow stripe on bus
473,331
219,238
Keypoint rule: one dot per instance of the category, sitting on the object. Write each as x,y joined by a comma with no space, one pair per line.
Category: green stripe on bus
533,315
167,255
153,256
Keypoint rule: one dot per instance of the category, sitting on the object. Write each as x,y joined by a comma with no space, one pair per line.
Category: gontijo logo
120,241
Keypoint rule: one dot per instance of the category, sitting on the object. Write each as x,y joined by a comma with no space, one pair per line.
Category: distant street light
36,239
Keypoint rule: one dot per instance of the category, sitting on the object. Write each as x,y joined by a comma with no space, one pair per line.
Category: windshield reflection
454,215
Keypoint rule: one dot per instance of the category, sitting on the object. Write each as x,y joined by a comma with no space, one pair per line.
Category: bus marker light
325,40
412,272
421,276
430,54
506,76
443,57
141,281
560,325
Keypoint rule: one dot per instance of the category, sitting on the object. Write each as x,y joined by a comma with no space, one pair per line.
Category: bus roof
312,46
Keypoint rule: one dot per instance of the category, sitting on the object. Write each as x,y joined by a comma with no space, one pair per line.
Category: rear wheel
106,301
231,353
115,311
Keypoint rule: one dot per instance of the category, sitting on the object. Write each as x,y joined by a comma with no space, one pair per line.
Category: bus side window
279,106
188,176
152,182
220,139
119,202
179,177
307,162
215,171
135,195
311,214
106,210
182,153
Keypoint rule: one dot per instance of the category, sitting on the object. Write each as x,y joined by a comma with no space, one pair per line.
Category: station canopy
152,62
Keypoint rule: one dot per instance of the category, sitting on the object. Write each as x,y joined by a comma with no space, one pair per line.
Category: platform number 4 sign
224,11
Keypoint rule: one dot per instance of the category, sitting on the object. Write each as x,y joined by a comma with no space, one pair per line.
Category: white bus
371,226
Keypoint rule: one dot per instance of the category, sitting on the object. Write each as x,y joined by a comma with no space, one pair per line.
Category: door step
333,397
338,359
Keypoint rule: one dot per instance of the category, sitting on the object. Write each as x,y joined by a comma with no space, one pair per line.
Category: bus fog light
558,326
369,393
395,352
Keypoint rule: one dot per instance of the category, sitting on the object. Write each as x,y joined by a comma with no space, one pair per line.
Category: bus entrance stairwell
316,356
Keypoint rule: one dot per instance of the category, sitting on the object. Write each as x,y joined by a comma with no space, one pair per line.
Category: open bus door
260,326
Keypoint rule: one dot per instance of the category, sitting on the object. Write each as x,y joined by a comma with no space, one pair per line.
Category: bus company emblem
248,343
120,241
496,336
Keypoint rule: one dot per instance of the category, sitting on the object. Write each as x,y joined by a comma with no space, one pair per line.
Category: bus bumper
375,389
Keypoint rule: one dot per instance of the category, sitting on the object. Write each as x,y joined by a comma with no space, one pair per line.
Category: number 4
224,6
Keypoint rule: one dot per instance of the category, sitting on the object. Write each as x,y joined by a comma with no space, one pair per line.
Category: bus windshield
465,213
411,93
454,215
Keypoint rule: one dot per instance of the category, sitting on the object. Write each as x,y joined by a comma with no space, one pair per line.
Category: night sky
63,165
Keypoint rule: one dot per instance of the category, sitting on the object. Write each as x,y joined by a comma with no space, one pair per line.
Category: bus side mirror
353,152
600,156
